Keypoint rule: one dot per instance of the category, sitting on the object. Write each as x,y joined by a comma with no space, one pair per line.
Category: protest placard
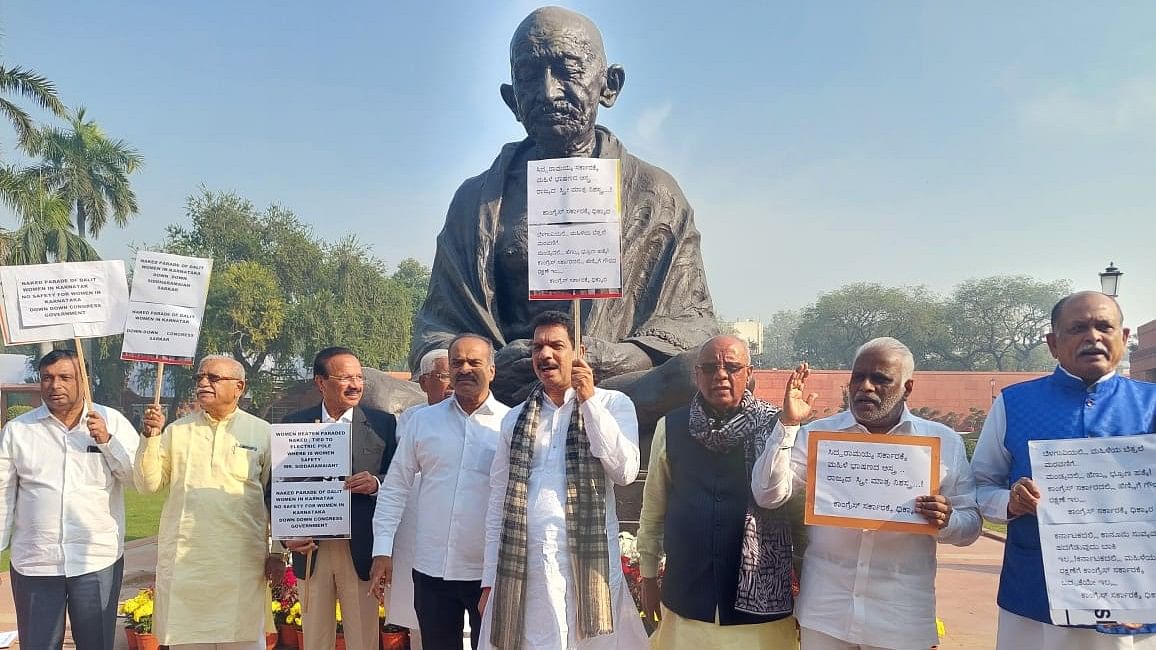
574,238
311,450
305,456
309,509
56,302
1097,521
166,308
870,481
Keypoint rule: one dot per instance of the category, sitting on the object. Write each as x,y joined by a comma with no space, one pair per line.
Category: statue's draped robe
665,306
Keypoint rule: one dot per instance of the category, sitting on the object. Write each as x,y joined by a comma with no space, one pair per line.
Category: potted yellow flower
126,610
142,618
284,600
294,619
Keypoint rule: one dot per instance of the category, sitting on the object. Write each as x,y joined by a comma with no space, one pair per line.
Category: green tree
244,313
833,328
999,322
779,340
26,83
45,233
89,169
279,293
414,277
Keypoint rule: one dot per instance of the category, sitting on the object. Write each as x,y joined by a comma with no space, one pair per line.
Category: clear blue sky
820,143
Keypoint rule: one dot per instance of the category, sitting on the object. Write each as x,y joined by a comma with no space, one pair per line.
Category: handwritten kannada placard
870,481
1097,520
574,240
575,257
572,190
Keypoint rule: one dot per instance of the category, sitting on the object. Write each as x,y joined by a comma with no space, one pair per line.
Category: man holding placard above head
451,445
480,278
213,549
552,575
869,576
1083,398
63,468
730,586
340,567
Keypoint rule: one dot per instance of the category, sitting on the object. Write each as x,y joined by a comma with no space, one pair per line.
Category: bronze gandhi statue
636,343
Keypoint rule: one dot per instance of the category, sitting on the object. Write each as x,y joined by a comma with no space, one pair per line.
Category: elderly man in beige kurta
212,552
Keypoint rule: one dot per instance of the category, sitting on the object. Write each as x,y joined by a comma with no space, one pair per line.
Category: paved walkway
965,589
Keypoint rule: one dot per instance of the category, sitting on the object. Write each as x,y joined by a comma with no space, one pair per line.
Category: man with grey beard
866,589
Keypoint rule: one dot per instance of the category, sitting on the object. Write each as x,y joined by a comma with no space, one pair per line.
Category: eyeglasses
213,379
440,376
347,379
730,368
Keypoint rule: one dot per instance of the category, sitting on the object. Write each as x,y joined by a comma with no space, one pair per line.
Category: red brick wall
1144,358
946,392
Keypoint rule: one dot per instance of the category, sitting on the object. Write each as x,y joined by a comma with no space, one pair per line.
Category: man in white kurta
212,559
612,429
435,383
867,589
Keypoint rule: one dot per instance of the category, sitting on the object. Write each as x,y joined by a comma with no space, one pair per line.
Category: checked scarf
585,528
764,580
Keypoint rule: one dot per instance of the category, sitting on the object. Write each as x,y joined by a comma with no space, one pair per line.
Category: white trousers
1019,633
815,640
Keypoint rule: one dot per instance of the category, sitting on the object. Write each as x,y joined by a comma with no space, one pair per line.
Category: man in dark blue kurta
1083,398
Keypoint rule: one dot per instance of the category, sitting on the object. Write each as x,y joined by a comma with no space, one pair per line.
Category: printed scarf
764,580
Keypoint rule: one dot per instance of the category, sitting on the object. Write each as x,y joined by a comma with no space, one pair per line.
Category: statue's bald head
554,26
559,79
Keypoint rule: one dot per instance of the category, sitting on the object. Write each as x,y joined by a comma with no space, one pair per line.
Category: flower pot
300,634
147,641
270,640
395,640
340,645
131,636
287,636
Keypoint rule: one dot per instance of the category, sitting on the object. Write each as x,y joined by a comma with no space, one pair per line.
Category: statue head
559,77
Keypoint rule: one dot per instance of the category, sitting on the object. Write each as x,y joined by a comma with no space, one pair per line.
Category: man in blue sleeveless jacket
1083,398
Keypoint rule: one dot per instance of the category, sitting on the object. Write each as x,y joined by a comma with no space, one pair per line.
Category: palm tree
45,233
18,81
88,169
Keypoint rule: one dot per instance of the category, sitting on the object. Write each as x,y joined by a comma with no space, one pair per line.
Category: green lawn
142,514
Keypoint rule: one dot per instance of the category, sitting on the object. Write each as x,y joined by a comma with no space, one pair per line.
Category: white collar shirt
452,451
866,587
61,493
326,418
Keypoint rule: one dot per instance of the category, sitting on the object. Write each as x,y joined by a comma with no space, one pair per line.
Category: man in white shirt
864,589
552,556
63,468
434,378
451,444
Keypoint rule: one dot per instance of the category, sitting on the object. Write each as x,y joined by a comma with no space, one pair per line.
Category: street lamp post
1110,280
